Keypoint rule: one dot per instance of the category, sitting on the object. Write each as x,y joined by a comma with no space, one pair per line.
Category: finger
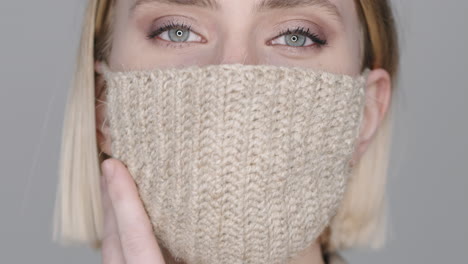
111,249
135,231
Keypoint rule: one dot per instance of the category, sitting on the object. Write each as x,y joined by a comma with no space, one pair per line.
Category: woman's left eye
298,38
293,40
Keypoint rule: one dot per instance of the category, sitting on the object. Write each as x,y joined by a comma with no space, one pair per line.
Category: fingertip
108,167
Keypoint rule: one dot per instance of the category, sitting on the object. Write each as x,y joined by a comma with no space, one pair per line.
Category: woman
340,37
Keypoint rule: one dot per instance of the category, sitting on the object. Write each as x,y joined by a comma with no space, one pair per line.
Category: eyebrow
212,4
262,6
279,4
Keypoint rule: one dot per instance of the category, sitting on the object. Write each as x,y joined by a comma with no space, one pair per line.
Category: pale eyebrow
262,6
212,4
279,4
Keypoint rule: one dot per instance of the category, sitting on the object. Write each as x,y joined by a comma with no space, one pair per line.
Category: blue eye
298,38
175,33
178,35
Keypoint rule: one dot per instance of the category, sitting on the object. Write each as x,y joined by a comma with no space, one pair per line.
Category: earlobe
102,126
378,97
98,67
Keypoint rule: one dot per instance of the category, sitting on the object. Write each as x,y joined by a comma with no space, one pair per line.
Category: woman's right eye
175,33
180,35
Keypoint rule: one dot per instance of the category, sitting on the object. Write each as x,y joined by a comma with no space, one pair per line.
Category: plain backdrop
428,181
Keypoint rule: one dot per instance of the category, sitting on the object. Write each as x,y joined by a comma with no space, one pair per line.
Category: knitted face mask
236,163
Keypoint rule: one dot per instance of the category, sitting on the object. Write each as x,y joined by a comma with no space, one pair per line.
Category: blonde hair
78,213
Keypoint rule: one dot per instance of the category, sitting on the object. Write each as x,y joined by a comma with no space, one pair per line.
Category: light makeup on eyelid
177,34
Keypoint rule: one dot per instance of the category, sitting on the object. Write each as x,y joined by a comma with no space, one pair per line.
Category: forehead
343,10
333,5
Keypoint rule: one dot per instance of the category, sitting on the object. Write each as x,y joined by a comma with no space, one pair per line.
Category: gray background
428,176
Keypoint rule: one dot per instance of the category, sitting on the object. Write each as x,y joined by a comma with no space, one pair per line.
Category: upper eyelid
289,30
176,23
289,24
173,24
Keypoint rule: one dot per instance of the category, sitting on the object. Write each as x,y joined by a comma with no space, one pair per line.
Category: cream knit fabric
236,163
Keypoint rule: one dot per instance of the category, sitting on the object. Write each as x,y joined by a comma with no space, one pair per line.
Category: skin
234,33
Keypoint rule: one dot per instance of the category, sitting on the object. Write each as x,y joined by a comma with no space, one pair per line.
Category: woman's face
321,34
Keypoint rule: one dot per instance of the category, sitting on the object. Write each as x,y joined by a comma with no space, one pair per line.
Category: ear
102,125
378,97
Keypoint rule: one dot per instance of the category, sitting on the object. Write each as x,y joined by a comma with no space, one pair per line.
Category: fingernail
108,169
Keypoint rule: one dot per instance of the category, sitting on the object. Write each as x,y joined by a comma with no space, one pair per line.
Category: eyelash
166,27
319,42
305,32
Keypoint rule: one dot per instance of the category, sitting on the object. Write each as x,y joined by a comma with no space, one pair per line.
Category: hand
128,234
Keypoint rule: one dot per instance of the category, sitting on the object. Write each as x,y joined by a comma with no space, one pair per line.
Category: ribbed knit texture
236,163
